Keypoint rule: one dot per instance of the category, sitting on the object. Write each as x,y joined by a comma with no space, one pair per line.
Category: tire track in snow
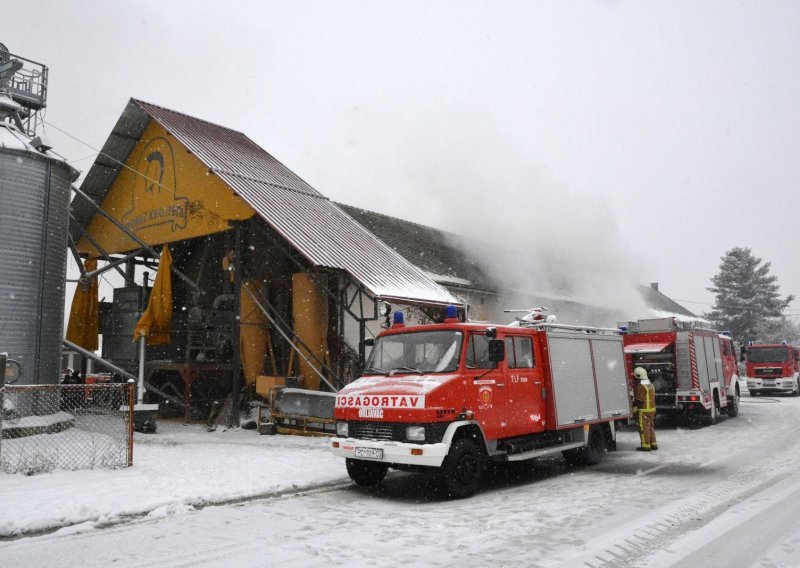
633,542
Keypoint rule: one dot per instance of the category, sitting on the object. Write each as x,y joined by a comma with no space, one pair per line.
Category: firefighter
644,408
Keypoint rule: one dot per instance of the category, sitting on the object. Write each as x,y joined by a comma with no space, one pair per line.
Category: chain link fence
65,427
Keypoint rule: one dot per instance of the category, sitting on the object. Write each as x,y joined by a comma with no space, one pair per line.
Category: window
510,359
426,352
523,351
478,352
767,355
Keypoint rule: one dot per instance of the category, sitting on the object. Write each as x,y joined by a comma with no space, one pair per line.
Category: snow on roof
447,279
679,317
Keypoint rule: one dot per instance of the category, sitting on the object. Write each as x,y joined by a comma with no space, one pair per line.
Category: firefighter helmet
640,374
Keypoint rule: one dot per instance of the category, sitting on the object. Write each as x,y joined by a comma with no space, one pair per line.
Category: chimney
654,286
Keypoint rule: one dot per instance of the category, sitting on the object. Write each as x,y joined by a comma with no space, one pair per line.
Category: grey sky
646,137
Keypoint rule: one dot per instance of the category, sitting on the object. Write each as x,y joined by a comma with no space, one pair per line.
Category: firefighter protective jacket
644,396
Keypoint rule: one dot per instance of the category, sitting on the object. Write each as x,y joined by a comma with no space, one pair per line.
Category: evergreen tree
747,299
783,330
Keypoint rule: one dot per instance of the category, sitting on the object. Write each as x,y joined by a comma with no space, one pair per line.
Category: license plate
371,453
769,382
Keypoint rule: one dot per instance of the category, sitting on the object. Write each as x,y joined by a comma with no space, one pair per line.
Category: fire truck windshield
767,354
417,352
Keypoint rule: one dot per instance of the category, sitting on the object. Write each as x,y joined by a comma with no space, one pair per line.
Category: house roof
442,256
659,301
439,253
316,227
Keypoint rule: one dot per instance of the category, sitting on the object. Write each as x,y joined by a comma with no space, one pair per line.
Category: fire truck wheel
733,406
462,469
711,415
366,473
796,391
592,454
596,449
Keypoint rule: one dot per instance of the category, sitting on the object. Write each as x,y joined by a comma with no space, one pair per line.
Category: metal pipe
140,383
131,235
586,328
75,254
237,335
111,264
142,343
108,365
102,362
131,388
95,244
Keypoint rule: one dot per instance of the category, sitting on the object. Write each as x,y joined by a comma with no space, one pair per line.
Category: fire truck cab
772,368
449,397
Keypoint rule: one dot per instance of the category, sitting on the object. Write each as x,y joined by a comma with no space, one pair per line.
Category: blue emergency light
398,318
451,312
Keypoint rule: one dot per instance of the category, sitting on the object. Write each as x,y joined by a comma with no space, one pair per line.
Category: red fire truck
450,397
693,370
772,368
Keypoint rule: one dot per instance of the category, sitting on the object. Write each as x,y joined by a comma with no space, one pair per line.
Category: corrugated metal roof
311,223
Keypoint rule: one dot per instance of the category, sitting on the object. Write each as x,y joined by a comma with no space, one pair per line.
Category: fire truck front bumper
780,384
430,455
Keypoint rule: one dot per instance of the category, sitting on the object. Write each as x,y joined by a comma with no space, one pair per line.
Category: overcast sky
649,137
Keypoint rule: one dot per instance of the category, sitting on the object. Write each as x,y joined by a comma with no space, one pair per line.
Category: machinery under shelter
269,282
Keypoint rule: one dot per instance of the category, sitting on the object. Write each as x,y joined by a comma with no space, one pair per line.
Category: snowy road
724,495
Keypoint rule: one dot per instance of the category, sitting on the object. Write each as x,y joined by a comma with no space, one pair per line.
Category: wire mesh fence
65,427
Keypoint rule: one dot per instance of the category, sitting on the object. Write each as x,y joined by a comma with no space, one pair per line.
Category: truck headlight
341,429
415,433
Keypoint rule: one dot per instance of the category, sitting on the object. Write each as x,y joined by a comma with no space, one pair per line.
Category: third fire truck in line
772,368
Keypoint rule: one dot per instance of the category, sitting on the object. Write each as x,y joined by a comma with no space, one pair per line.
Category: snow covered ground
181,466
721,495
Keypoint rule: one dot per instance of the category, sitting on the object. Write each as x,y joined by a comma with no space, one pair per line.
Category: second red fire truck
450,397
694,370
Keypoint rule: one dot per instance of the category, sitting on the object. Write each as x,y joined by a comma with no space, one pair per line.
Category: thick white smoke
543,237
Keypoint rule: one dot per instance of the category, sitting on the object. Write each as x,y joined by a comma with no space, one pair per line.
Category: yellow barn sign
163,194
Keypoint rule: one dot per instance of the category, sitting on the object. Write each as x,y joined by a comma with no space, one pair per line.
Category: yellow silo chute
310,319
254,334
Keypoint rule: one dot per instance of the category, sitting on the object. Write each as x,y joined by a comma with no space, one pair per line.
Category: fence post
131,389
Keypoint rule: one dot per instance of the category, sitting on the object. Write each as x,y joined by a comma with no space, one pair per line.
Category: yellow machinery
310,320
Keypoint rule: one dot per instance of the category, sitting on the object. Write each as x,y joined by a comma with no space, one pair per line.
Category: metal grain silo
34,210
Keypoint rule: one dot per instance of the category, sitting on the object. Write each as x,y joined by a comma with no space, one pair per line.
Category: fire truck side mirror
497,350
369,342
741,354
